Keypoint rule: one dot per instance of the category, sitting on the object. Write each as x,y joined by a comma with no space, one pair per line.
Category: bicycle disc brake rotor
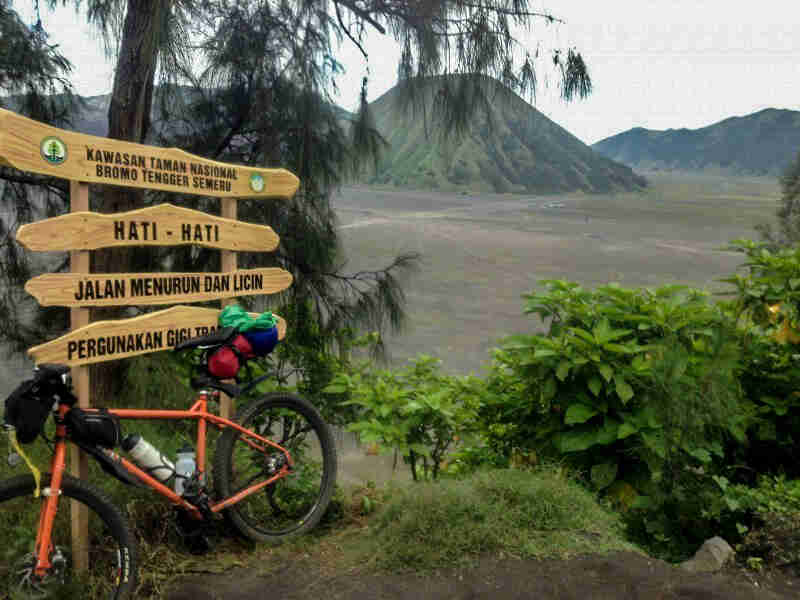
33,586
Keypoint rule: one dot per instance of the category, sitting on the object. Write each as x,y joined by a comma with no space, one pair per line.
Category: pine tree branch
348,34
54,184
362,13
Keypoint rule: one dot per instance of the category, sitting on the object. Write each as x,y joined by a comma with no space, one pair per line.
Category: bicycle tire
112,550
292,505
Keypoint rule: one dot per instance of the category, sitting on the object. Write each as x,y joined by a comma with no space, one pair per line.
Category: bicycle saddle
219,338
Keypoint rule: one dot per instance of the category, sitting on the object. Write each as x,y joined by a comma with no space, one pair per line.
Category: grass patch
531,514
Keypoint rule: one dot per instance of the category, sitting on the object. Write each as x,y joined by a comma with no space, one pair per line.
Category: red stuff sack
243,345
225,362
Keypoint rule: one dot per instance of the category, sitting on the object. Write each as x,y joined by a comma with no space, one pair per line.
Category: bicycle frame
198,412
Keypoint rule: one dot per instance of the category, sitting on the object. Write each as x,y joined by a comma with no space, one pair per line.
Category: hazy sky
656,64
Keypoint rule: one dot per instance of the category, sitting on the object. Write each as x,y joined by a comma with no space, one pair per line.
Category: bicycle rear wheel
111,572
291,505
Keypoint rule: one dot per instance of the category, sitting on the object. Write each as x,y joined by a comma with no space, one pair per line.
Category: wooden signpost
32,146
78,289
153,332
162,225
28,145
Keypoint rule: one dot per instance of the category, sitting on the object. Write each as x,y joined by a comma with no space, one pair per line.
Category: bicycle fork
44,532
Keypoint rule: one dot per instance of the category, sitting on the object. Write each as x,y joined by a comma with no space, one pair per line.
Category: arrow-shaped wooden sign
110,340
161,225
118,289
29,145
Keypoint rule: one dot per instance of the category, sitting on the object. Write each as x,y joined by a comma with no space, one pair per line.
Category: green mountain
758,144
513,149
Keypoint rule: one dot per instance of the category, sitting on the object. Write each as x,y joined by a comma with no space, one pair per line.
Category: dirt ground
482,252
621,576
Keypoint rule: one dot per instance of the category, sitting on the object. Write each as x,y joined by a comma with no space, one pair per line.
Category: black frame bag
96,428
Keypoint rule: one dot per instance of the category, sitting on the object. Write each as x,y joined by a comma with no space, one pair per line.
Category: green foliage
632,387
539,513
766,518
773,494
767,304
417,411
774,541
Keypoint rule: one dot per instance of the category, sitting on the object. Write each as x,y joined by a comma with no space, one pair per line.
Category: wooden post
228,264
35,147
79,317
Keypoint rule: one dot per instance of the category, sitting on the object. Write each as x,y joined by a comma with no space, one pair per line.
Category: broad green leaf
624,391
582,333
335,388
701,454
722,482
549,389
654,440
544,353
625,430
563,370
604,474
620,349
716,449
607,434
679,368
645,417
601,330
579,413
595,385
604,333
732,503
606,371
577,439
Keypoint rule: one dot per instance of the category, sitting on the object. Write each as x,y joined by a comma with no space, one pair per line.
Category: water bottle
184,468
148,458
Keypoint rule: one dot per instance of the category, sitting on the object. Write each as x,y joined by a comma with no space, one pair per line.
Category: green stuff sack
234,315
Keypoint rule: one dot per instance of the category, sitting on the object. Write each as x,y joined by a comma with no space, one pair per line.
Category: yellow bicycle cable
37,475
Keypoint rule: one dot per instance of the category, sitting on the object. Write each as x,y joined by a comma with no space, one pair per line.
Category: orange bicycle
273,472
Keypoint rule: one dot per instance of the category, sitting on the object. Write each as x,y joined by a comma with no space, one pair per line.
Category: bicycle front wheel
111,567
291,505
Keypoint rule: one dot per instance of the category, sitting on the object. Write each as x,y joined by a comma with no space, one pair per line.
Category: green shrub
636,389
768,309
417,411
540,513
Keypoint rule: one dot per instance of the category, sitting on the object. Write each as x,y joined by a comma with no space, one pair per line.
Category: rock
711,556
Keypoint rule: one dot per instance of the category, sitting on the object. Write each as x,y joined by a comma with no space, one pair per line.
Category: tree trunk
129,120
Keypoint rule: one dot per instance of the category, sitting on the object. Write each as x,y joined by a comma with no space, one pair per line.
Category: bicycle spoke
295,501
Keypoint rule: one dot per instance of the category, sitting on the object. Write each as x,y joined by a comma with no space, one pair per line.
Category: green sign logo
53,150
256,182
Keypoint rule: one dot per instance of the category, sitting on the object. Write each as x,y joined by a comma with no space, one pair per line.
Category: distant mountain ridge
521,151
762,143
518,150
